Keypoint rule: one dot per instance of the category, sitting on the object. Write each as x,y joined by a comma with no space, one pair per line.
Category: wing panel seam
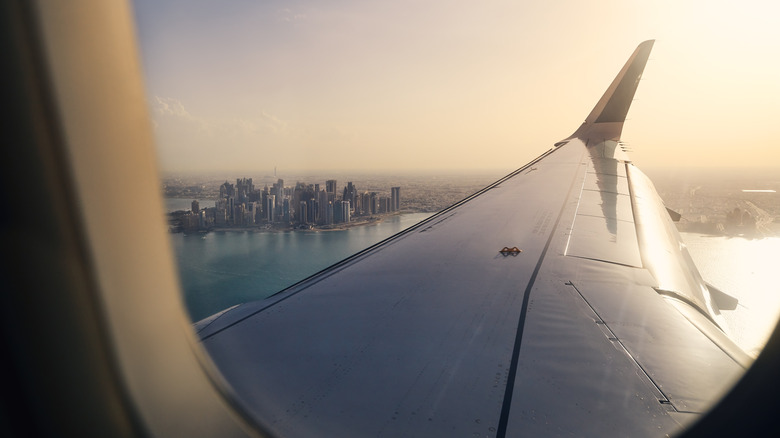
302,285
576,210
663,398
508,392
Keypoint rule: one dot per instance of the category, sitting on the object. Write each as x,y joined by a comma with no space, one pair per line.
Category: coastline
269,228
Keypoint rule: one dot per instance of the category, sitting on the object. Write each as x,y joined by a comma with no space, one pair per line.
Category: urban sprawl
304,206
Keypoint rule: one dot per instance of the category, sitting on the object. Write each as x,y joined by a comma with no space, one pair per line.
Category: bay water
745,269
221,269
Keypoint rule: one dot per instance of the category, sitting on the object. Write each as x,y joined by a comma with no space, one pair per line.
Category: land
731,202
711,201
420,192
280,228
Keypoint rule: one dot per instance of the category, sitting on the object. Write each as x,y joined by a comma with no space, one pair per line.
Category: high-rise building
240,190
221,213
244,189
350,194
258,213
337,212
210,216
270,208
345,213
286,211
312,208
278,191
251,209
329,218
365,204
374,203
395,199
303,212
195,206
226,190
322,211
238,214
330,186
264,201
384,204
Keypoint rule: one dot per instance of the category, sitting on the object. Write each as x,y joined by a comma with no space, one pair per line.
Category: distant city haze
364,86
281,206
736,254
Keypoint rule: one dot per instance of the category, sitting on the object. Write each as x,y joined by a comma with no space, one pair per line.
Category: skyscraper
374,203
330,186
286,211
322,212
336,211
345,216
303,212
329,219
312,208
365,204
270,208
279,186
395,199
350,194
251,210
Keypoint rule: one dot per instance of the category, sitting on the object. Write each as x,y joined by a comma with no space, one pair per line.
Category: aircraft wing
558,300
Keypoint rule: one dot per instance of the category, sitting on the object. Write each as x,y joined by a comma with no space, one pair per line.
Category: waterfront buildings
395,198
304,205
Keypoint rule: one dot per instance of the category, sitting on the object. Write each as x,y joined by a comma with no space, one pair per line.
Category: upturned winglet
605,121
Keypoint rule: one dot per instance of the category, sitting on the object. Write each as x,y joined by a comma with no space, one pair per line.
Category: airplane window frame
120,305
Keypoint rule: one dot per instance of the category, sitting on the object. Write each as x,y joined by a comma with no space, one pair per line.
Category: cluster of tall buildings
241,204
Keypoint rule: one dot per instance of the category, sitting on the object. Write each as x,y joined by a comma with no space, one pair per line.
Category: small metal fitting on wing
505,251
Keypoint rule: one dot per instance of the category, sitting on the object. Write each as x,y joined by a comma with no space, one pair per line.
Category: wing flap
604,223
654,336
602,239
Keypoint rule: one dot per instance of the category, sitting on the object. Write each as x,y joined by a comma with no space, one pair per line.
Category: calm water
745,269
220,269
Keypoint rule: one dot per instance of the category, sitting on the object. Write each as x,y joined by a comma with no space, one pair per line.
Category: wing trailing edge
605,121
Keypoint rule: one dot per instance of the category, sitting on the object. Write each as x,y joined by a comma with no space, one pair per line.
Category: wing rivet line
505,251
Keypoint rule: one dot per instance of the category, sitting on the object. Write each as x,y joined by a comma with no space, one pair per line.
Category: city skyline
354,86
705,198
305,205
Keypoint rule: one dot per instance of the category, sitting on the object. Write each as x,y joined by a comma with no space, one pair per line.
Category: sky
451,85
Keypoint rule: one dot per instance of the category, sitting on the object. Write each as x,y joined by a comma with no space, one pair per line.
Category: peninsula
305,206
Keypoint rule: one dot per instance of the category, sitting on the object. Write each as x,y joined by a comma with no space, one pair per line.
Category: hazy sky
359,85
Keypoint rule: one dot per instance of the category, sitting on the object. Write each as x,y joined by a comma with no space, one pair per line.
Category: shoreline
268,228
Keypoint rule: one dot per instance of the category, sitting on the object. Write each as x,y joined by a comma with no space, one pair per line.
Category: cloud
169,106
273,122
187,140
288,15
167,110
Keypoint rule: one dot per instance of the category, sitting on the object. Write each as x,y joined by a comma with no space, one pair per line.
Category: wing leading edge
435,332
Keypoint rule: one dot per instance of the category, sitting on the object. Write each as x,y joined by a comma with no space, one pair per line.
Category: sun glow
453,85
